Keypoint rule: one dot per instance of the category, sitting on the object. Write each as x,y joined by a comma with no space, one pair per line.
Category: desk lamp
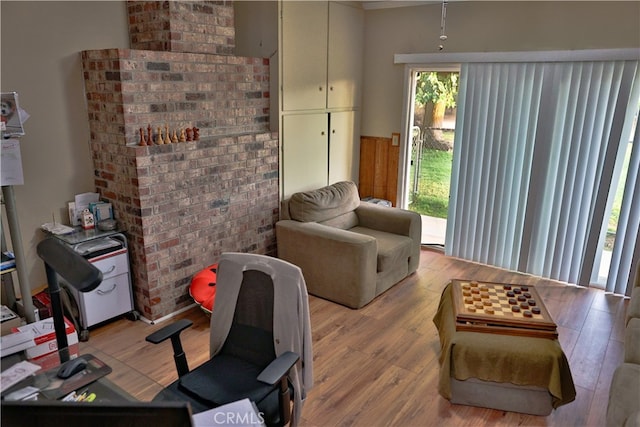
60,259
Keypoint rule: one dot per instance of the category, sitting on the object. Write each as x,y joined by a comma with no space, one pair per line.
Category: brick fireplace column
182,204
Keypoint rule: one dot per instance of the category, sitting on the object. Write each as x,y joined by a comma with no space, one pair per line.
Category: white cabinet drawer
112,264
112,298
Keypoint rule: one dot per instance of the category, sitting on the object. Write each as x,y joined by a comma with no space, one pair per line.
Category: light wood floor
378,366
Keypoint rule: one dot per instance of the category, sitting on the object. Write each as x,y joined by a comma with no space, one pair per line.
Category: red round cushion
203,287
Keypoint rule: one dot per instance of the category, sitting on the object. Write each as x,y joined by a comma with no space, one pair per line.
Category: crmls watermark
238,418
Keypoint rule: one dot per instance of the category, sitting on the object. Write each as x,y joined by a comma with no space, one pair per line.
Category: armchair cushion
324,204
392,248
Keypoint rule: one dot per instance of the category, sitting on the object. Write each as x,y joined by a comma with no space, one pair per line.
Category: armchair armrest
278,368
173,331
391,220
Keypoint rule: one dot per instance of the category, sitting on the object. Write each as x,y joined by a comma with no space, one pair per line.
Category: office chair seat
268,406
213,383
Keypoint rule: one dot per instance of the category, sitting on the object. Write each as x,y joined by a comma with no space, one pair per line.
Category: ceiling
387,4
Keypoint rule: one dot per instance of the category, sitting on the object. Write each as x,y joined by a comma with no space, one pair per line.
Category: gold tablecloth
523,361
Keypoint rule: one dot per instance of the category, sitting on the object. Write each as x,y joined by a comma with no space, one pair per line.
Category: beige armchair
623,408
349,251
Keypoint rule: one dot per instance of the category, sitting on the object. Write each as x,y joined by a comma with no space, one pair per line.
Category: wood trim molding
379,168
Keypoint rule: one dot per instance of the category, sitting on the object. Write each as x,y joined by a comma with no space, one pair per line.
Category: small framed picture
11,116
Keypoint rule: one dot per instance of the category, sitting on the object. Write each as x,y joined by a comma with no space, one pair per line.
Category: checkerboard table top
501,308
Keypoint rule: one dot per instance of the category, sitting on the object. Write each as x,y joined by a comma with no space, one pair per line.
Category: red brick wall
182,204
182,26
129,89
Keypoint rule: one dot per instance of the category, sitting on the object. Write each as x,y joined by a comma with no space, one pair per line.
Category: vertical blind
626,251
537,147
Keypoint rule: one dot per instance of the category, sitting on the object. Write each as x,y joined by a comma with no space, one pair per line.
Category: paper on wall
11,163
11,115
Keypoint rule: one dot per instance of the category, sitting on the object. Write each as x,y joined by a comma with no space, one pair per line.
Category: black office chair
260,331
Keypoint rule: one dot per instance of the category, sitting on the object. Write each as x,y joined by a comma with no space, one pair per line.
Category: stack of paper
17,373
57,228
17,341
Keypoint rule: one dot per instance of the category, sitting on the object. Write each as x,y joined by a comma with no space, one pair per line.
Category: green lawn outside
432,197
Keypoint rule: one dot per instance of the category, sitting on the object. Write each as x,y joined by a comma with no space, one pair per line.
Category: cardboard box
42,301
10,320
21,312
46,344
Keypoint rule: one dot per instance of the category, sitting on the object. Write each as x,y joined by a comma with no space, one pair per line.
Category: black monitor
95,414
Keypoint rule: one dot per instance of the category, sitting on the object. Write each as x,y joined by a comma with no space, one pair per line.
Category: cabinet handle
322,133
333,131
101,292
113,267
331,88
320,88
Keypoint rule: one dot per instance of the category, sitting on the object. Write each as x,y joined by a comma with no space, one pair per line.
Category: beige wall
480,26
40,60
256,25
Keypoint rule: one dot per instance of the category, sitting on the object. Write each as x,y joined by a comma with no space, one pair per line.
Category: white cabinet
305,154
317,150
343,138
304,62
114,296
322,45
345,56
321,73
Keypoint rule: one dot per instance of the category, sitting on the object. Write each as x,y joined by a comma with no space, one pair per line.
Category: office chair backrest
251,335
291,322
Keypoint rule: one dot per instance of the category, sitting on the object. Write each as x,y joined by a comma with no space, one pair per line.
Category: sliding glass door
538,147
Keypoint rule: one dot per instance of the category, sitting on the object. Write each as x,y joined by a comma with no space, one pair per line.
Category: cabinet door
345,51
304,55
305,154
342,138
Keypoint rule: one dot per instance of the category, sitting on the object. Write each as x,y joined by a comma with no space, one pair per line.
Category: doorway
432,129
